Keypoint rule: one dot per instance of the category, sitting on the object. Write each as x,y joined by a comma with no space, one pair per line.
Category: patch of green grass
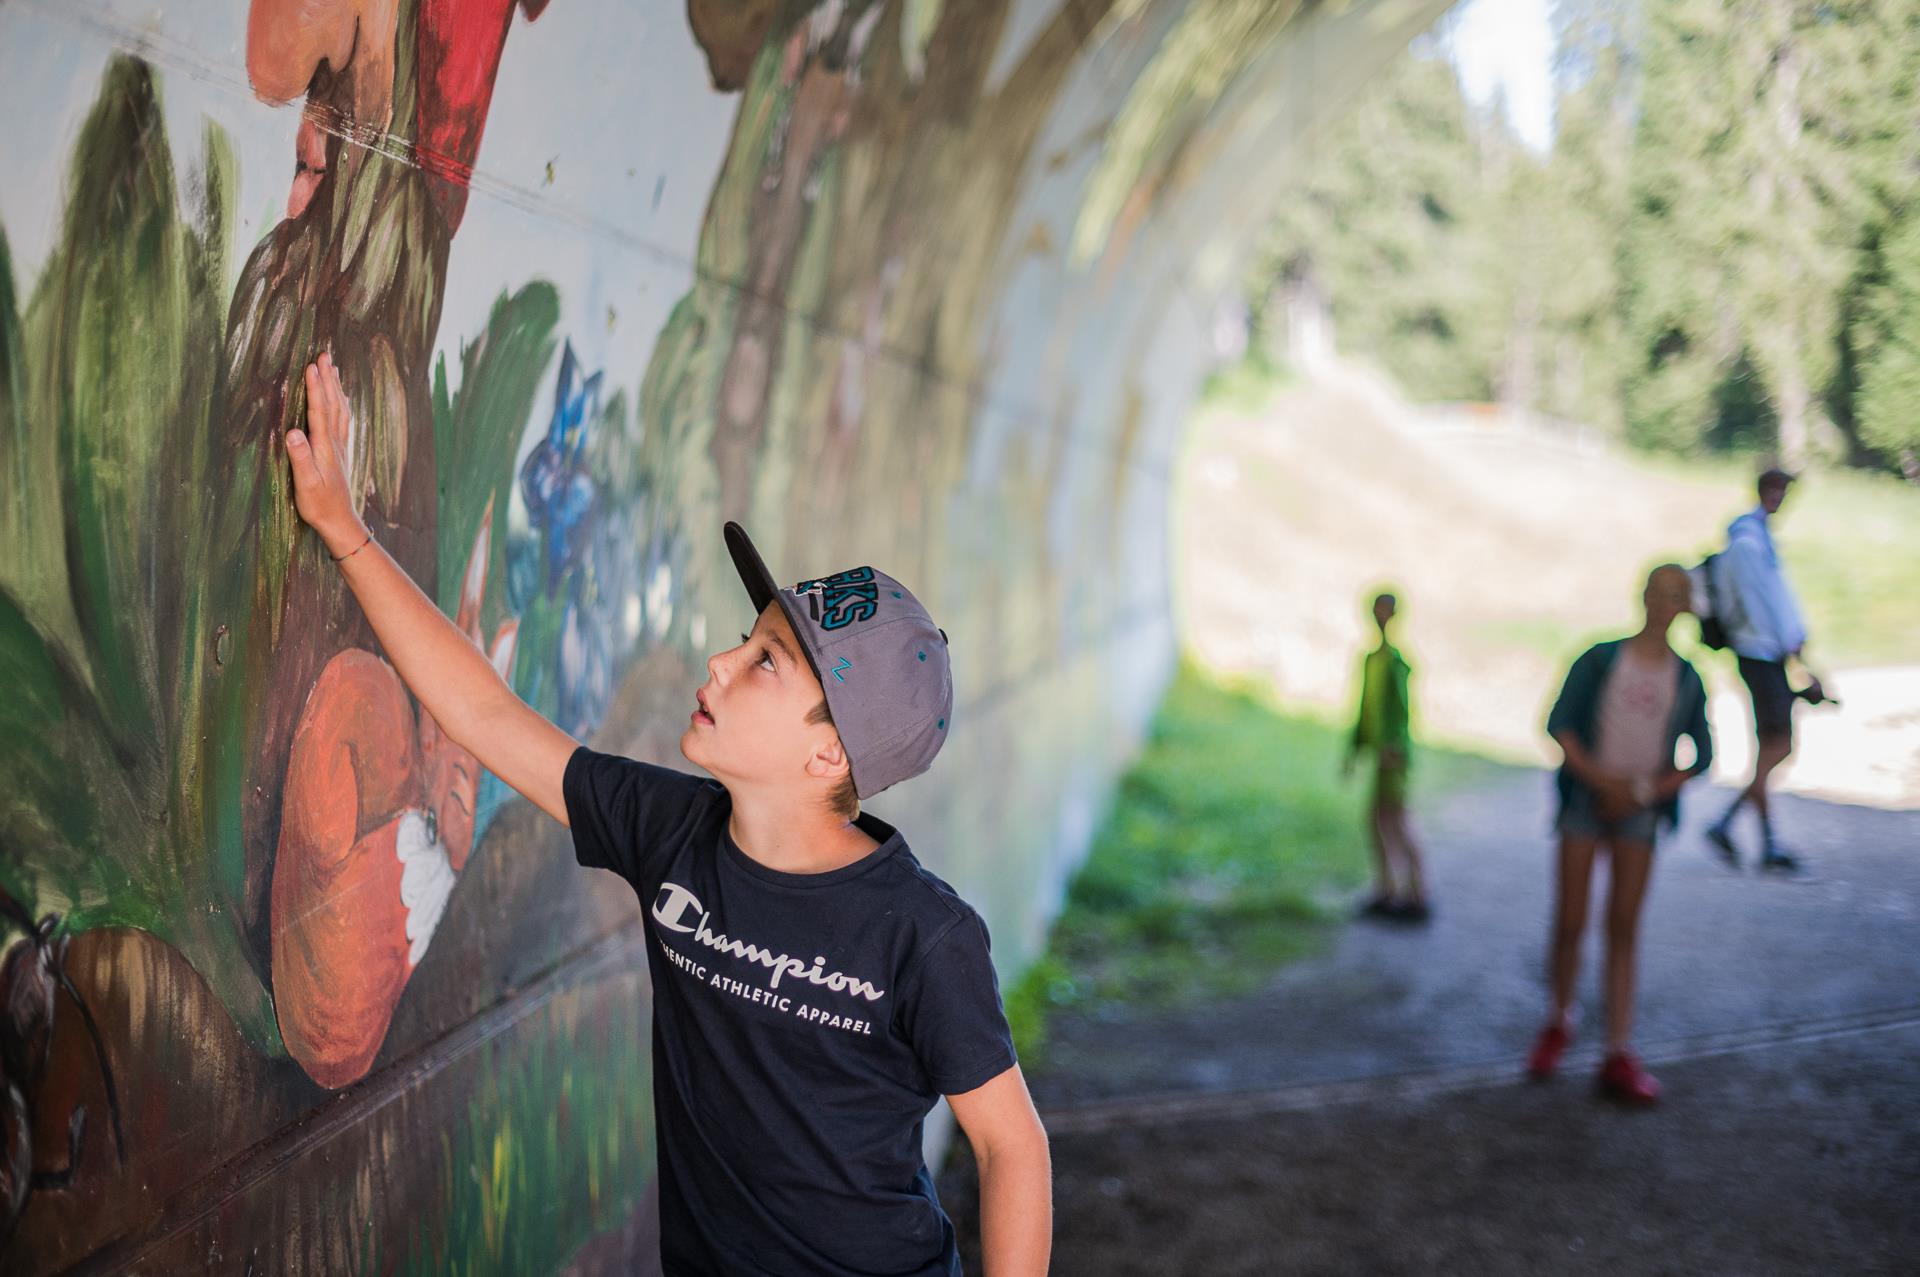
1228,844
1245,386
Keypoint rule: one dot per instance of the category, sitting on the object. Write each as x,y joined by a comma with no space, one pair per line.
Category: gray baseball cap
879,657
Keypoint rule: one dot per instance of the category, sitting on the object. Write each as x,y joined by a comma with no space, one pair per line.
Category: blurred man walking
1765,630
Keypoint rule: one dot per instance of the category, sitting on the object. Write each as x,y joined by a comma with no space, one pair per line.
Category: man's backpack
1712,603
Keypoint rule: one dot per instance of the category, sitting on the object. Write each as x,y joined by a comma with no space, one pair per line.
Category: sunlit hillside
1511,544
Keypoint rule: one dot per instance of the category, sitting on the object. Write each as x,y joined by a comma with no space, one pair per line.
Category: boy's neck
768,832
1649,642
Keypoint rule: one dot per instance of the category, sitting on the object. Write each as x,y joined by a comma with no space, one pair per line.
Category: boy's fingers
330,394
330,388
318,403
305,473
328,412
342,410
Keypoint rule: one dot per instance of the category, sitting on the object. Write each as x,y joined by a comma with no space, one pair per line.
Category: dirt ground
1364,1113
1798,1159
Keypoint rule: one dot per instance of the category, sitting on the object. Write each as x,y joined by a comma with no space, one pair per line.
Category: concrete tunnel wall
927,285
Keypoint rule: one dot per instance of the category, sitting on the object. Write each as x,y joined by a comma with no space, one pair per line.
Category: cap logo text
846,597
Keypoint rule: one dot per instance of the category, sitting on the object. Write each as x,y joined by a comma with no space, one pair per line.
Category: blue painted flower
554,482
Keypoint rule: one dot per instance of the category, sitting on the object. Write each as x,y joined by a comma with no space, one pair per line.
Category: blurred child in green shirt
1384,729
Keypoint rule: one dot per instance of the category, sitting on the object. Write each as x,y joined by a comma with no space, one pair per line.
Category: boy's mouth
702,714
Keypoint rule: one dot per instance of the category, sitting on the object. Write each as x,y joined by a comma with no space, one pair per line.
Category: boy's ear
830,761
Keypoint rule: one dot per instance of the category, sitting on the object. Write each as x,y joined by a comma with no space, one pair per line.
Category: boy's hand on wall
321,492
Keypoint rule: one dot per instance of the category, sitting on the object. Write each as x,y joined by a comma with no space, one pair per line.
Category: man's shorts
1772,698
1580,817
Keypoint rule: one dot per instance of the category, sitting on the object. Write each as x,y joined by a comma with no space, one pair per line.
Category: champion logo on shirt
675,905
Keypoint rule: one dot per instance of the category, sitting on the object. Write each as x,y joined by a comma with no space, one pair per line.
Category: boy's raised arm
441,666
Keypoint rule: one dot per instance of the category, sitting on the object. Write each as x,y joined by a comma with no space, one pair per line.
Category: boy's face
1669,593
750,724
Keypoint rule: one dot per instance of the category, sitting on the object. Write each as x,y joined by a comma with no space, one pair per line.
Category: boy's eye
766,656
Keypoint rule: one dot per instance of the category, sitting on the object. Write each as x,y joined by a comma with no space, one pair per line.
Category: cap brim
761,590
752,568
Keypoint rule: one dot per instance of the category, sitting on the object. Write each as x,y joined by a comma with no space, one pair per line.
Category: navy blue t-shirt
803,1026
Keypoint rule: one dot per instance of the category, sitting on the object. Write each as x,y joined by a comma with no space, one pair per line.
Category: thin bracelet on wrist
355,550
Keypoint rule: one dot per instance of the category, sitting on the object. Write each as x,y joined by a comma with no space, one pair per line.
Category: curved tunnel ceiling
921,284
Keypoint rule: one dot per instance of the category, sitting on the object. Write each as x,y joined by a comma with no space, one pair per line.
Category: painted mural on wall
287,980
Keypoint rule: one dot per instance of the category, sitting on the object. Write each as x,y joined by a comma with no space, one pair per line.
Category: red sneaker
1547,1050
1624,1078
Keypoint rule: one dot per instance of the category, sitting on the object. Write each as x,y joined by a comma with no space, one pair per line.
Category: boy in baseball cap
815,988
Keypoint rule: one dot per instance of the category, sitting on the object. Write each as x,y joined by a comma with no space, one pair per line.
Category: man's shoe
1378,907
1718,836
1624,1078
1547,1050
1777,861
